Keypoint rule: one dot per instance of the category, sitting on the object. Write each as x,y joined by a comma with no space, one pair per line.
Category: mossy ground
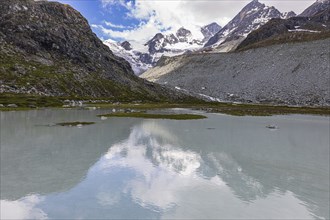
29,101
26,102
155,116
63,78
226,108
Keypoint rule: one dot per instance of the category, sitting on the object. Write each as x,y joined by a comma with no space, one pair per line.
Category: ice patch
304,30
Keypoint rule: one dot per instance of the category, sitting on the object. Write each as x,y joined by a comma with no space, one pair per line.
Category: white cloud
138,36
109,24
106,3
169,14
109,2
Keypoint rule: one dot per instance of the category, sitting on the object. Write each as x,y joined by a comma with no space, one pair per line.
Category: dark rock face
53,30
157,43
210,30
146,58
59,55
172,39
289,14
126,45
183,34
316,7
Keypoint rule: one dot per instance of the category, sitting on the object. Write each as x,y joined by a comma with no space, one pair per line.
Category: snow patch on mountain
140,62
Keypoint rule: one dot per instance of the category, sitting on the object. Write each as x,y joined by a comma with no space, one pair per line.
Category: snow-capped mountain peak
173,44
157,43
250,18
140,62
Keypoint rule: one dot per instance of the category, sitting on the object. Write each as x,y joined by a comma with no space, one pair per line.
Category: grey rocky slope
48,48
293,74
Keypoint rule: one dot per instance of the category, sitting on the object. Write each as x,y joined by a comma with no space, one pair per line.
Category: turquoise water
222,167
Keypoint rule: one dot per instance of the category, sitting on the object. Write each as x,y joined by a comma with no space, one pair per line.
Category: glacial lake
222,167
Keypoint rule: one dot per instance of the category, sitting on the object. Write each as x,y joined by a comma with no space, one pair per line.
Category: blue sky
138,20
99,14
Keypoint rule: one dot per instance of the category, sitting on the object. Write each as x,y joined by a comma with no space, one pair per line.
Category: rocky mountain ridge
250,18
48,48
216,38
295,29
182,41
233,36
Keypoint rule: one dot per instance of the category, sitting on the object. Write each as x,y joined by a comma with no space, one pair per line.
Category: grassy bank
30,101
226,108
26,102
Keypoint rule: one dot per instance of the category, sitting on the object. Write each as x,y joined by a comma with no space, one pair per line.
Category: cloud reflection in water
150,172
24,208
171,180
162,169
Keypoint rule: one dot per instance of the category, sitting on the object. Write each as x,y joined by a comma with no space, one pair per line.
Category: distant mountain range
182,41
215,38
251,17
294,29
285,61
